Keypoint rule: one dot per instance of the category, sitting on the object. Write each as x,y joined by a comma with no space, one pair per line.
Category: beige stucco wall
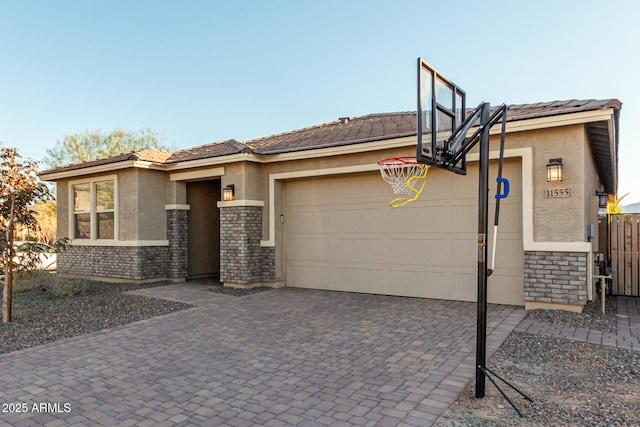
559,219
152,189
128,204
247,179
176,192
141,198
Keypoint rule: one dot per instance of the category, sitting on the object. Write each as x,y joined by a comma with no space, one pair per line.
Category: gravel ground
238,292
591,316
40,317
571,383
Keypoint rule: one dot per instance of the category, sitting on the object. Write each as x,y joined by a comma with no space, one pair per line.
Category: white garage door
341,235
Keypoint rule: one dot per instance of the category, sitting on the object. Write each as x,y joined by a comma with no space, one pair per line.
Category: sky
198,72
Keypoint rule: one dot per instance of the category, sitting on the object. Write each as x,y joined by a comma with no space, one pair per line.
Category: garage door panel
311,275
464,218
426,217
361,221
509,252
461,184
425,249
463,285
413,251
501,289
306,196
419,283
358,250
298,221
510,217
465,252
309,249
362,278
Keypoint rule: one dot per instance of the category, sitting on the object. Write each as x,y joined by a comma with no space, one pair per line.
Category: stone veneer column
177,229
243,262
555,277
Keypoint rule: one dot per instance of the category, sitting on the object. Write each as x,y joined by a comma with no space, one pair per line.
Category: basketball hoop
402,173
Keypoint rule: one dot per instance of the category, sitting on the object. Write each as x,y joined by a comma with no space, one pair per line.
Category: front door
204,229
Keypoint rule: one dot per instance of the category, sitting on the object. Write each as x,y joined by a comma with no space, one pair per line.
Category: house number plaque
556,193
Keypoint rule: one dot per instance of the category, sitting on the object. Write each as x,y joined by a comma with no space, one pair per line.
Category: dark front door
204,229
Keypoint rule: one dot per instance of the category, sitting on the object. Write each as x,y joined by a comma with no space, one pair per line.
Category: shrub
27,281
67,287
56,286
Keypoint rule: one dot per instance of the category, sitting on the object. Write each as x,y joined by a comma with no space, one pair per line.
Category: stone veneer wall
123,262
133,262
555,277
242,259
177,234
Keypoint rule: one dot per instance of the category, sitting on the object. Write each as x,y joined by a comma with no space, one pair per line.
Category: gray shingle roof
344,131
148,154
217,149
542,109
374,127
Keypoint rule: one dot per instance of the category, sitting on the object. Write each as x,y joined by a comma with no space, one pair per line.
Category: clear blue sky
204,71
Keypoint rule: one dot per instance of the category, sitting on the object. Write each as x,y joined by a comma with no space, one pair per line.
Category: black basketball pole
483,225
451,155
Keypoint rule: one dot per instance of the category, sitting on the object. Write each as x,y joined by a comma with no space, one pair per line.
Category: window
94,213
105,209
82,211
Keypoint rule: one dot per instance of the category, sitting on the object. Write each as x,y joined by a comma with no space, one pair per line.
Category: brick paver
282,357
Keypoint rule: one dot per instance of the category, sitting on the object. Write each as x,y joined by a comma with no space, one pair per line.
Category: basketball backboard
441,110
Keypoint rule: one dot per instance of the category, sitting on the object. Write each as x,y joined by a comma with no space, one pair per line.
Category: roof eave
99,169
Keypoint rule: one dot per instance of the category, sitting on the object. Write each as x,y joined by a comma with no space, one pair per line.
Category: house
309,209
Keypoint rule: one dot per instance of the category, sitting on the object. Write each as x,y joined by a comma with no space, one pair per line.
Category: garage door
341,235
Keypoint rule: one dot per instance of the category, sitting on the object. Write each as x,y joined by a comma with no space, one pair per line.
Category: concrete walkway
277,358
627,336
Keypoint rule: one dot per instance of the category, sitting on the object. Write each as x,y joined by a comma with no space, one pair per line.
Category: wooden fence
625,254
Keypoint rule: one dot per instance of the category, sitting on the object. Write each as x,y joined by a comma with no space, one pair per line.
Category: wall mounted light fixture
228,192
603,199
554,170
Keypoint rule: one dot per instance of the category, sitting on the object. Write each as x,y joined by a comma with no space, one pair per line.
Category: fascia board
91,170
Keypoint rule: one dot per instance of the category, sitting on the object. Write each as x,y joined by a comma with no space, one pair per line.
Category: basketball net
406,176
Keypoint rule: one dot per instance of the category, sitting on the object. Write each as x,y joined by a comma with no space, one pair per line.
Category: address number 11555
553,193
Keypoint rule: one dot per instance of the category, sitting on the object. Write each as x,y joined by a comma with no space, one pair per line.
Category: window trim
93,211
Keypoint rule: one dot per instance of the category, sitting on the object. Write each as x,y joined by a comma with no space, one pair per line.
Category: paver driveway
282,357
